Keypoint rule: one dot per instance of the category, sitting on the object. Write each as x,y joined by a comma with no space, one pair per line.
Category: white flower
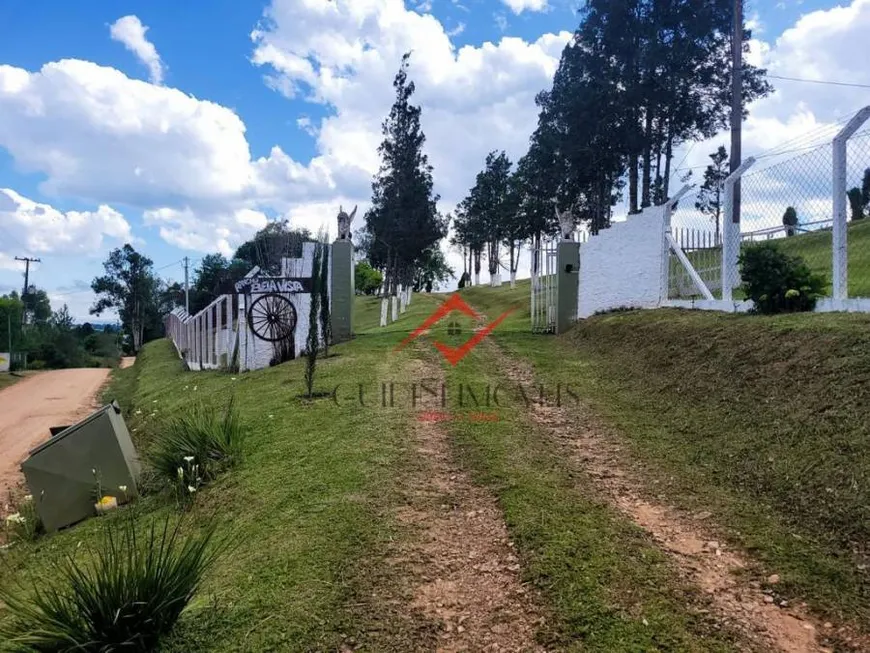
93,471
180,473
186,387
189,459
138,411
154,401
15,518
194,388
232,378
271,416
191,489
28,497
123,488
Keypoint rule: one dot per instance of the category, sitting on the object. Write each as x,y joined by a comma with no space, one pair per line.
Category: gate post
731,234
342,291
567,283
840,264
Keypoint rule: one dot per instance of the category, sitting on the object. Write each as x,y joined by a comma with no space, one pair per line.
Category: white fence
209,339
543,283
810,195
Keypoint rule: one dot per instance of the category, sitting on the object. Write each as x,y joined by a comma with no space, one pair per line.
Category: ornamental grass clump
124,593
200,442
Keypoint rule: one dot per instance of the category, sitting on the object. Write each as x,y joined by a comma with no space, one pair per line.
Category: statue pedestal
342,291
567,284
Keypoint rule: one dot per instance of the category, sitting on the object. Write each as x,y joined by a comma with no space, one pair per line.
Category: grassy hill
759,421
762,420
814,247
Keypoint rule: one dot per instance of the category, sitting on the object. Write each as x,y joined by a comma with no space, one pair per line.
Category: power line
819,81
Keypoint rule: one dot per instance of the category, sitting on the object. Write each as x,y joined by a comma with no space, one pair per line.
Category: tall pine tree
712,191
403,221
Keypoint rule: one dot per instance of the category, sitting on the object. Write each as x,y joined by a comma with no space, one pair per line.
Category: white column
202,342
209,337
731,234
228,327
841,228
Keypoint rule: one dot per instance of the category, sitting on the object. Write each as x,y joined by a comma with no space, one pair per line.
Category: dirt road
30,407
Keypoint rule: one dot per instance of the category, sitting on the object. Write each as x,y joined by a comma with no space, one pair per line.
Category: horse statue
566,221
344,221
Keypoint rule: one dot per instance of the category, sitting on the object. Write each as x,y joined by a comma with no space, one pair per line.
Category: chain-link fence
787,197
858,207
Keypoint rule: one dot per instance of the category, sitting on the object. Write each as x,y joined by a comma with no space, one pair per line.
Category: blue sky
80,136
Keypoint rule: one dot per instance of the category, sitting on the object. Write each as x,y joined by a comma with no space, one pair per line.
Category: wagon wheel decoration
272,318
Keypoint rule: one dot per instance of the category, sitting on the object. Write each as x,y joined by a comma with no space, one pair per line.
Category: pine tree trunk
669,155
477,267
632,183
647,160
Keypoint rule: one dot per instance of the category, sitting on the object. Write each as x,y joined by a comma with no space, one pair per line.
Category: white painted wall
255,354
622,266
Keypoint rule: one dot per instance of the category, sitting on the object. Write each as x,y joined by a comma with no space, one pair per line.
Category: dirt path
30,407
459,563
741,603
127,361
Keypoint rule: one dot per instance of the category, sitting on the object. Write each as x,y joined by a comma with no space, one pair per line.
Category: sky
182,128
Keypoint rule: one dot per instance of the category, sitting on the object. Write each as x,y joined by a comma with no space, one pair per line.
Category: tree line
638,79
41,338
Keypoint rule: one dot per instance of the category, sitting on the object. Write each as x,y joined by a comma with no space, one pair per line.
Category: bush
200,438
777,282
24,524
126,595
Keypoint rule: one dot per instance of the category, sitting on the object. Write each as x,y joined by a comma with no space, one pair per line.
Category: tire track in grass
459,564
698,557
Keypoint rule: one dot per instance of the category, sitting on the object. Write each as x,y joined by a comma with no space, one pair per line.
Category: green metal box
60,473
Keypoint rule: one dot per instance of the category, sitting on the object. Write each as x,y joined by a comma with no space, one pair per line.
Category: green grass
814,247
754,418
307,511
762,420
606,584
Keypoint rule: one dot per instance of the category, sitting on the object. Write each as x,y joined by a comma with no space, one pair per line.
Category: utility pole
27,262
186,286
736,103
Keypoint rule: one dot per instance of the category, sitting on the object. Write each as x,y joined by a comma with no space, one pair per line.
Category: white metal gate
544,288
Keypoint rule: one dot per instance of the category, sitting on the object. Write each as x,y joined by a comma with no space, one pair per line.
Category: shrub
202,438
24,524
790,221
777,282
127,593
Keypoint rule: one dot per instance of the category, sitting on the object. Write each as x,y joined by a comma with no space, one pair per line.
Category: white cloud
519,6
130,31
345,55
98,135
33,228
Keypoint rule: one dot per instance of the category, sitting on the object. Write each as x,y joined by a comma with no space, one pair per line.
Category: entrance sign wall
267,320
